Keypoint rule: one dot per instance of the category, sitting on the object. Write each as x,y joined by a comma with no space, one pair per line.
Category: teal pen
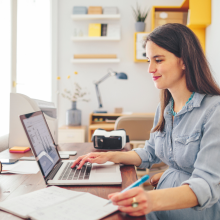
135,184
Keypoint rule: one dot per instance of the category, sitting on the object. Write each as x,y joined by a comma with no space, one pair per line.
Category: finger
140,198
82,162
128,194
87,158
130,209
112,194
77,161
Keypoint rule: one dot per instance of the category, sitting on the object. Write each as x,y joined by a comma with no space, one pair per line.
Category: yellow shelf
199,17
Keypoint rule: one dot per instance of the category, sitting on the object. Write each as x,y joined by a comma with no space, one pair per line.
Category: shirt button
170,149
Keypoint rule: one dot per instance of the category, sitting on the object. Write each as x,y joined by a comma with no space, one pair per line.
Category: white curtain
5,64
34,76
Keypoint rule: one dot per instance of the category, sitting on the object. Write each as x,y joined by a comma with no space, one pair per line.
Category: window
34,77
5,67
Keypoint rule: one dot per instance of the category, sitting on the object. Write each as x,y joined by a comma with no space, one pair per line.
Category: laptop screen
42,142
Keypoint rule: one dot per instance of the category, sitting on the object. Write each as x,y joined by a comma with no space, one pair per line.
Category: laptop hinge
54,171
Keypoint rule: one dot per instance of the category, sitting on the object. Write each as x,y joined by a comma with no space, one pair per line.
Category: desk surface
12,185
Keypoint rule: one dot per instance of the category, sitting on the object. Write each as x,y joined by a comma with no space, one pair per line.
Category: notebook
58,203
59,172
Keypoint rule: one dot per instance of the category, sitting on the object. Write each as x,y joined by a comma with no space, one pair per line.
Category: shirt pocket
159,143
186,149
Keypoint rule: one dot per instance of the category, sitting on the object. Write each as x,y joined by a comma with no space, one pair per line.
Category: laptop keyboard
74,174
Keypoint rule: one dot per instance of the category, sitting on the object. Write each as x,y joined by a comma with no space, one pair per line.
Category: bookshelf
96,17
112,37
102,38
95,60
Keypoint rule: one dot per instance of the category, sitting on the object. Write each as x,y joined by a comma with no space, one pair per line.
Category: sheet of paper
22,167
32,158
68,152
84,207
23,205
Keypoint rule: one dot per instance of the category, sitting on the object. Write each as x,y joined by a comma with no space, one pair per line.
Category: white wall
137,94
213,40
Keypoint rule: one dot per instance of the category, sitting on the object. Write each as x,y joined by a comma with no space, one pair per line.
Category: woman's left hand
124,201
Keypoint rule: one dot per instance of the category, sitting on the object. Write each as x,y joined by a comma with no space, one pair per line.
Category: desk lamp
110,73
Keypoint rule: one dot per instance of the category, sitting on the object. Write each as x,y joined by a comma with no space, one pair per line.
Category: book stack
109,30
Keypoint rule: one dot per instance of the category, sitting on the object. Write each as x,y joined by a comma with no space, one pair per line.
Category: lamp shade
121,76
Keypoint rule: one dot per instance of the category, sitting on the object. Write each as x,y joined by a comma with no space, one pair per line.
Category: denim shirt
190,145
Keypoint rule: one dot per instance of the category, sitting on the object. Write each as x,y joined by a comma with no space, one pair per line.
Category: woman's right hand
155,179
100,158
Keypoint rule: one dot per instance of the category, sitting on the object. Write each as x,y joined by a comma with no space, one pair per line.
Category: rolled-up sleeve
147,154
205,179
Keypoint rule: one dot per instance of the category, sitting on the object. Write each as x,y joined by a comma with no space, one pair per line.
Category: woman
186,134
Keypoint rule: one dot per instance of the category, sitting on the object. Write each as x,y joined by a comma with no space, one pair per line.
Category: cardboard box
110,10
79,10
95,10
164,17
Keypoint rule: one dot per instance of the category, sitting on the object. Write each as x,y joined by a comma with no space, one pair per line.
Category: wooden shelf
95,39
93,125
95,60
96,17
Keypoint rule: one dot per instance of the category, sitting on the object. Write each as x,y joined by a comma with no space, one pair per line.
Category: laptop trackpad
104,169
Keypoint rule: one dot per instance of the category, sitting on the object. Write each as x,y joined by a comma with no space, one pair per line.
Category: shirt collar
193,103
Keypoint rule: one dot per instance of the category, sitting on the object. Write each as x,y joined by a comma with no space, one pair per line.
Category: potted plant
75,94
140,17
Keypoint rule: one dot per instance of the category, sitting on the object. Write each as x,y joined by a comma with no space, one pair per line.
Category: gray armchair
138,127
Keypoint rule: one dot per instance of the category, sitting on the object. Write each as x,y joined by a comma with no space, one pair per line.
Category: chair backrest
138,127
3,142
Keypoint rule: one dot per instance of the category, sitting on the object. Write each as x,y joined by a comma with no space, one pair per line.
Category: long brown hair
183,43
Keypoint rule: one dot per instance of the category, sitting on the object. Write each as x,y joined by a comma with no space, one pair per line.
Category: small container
79,10
110,10
95,10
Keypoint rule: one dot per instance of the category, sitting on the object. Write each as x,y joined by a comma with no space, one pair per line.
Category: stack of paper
57,203
21,167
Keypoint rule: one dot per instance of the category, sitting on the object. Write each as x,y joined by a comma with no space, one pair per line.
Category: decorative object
73,115
95,10
110,10
140,17
110,73
79,10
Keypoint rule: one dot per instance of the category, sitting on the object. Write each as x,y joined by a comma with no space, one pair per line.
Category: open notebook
58,203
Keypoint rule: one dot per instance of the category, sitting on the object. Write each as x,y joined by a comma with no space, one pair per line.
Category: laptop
59,172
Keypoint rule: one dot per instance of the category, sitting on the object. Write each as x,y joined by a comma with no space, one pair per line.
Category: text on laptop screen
42,142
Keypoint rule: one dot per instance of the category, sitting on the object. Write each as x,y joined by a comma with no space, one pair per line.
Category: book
16,149
113,30
58,203
104,29
94,30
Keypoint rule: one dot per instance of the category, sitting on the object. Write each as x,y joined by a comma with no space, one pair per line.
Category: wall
137,94
212,40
